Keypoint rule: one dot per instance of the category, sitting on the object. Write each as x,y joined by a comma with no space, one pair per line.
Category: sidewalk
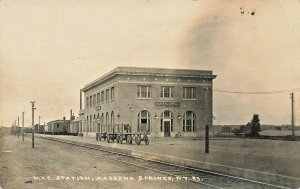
251,158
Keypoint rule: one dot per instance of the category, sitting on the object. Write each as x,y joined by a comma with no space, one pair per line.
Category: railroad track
203,177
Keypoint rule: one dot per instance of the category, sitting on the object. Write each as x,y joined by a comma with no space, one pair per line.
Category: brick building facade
163,102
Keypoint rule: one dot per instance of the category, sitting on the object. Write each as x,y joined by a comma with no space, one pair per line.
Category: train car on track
39,128
58,127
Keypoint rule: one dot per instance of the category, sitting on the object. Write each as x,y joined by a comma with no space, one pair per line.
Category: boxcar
58,127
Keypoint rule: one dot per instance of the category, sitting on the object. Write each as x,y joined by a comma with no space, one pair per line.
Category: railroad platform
271,161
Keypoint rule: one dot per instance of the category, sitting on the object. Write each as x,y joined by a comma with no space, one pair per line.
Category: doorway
167,128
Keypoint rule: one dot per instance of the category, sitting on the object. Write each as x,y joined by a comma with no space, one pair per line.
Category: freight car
58,127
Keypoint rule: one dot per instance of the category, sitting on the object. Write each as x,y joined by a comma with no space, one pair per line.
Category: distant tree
252,128
240,131
278,128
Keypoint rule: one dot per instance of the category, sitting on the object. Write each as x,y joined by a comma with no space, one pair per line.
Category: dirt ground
49,165
271,156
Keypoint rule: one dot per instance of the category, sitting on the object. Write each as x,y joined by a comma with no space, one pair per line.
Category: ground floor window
144,121
189,121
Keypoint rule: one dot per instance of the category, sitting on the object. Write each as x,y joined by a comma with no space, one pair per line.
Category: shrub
252,129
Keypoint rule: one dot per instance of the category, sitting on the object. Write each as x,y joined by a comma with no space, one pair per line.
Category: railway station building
163,102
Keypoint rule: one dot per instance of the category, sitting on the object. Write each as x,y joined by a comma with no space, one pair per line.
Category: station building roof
135,71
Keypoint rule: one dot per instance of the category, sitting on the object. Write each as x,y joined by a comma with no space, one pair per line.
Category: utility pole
293,127
39,124
23,126
206,124
18,128
33,108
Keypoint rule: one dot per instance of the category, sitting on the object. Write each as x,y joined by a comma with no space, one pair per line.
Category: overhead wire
258,92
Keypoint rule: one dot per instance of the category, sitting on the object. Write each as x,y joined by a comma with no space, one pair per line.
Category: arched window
112,121
166,116
188,121
107,122
144,121
94,124
86,126
90,125
98,123
102,125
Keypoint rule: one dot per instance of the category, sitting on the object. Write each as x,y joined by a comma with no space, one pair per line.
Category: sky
50,49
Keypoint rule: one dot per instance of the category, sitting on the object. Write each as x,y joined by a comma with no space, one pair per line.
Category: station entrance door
167,128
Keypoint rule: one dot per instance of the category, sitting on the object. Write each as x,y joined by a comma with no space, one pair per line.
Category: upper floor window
189,92
166,92
87,101
91,100
102,96
144,91
107,95
94,99
112,93
98,98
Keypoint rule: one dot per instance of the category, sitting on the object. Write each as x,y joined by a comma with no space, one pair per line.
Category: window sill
171,99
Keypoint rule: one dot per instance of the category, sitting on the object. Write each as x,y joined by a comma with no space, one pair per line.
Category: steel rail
160,162
129,163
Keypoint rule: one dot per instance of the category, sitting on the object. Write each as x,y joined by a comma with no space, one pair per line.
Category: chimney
64,118
71,114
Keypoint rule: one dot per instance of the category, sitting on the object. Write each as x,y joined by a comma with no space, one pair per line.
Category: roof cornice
159,72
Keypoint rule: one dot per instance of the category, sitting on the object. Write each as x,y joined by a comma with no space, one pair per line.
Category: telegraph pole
39,124
33,108
23,126
293,127
206,125
18,130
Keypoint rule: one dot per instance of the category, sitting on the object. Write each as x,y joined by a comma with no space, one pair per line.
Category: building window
107,95
87,124
166,92
112,93
143,121
91,124
189,92
94,100
87,101
91,101
107,122
98,98
103,128
102,96
112,119
144,91
189,121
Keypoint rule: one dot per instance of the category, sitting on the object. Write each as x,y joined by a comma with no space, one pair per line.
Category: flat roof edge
207,74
